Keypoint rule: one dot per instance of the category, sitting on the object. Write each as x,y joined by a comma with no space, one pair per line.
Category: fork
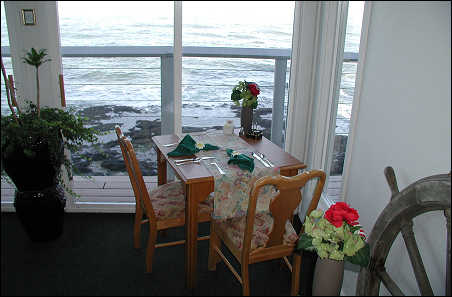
195,159
171,144
188,162
265,159
257,156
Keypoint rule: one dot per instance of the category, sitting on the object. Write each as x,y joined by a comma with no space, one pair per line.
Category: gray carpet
95,257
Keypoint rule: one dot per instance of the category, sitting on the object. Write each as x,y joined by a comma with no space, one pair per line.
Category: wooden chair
163,207
273,236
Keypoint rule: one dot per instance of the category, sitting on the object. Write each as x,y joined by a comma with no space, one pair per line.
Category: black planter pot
39,201
31,174
41,213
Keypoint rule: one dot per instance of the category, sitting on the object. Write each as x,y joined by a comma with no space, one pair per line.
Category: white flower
235,153
199,145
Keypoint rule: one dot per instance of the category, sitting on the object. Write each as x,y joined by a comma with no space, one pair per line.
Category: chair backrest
283,205
142,198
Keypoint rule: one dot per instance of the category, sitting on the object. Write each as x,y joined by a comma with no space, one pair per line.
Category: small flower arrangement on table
248,91
335,235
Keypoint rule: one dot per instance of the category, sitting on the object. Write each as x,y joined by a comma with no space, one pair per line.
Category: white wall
404,121
45,34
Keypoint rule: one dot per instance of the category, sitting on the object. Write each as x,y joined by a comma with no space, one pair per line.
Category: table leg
194,193
191,234
161,168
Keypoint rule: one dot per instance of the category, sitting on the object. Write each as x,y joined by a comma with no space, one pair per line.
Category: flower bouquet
248,91
335,235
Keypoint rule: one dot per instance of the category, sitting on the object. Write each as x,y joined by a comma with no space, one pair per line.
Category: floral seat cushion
168,201
234,229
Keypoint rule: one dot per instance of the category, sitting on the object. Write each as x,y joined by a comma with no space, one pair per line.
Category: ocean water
207,82
134,83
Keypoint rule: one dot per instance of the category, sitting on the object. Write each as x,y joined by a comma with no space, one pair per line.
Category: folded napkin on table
188,146
242,160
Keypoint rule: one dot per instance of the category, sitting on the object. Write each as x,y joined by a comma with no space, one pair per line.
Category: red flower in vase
340,212
254,89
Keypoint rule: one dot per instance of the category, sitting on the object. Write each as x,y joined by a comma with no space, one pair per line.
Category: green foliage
38,127
48,128
35,58
337,243
242,91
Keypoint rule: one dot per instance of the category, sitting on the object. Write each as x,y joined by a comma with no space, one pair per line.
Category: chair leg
137,228
245,280
214,241
150,249
296,267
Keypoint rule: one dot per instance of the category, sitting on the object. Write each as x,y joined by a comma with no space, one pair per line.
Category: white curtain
317,51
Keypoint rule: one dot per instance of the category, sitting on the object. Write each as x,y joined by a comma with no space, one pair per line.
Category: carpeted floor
95,257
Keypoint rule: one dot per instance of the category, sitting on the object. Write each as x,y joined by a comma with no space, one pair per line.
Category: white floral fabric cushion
234,229
169,202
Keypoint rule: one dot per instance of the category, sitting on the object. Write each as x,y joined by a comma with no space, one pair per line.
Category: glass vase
246,120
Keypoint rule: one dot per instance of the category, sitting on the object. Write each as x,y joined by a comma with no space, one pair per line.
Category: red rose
333,217
254,89
340,212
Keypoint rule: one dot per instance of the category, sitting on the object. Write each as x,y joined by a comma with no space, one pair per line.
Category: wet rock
337,163
143,131
110,158
114,165
105,127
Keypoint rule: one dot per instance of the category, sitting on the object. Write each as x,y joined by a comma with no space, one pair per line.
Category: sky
194,12
220,11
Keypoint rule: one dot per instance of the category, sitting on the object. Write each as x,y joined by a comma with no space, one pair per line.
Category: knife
193,159
260,159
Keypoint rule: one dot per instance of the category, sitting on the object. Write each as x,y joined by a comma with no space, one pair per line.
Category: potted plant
247,92
32,155
335,236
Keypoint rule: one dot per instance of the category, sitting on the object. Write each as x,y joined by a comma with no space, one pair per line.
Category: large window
115,90
207,82
128,90
6,61
344,102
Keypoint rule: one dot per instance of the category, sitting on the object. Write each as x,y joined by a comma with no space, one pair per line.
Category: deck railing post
167,101
167,94
279,91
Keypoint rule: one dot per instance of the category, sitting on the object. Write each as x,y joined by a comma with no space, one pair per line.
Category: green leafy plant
248,91
36,59
335,235
53,127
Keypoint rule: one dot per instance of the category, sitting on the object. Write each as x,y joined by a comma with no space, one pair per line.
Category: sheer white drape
317,51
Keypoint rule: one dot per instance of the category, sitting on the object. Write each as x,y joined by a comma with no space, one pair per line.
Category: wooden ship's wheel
427,194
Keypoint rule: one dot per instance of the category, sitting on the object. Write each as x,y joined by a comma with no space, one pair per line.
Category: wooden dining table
199,183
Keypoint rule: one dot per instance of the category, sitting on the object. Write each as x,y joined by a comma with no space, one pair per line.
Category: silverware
260,159
171,144
266,159
188,162
218,167
196,159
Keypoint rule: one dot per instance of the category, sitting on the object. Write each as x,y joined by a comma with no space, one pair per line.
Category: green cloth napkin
187,147
242,160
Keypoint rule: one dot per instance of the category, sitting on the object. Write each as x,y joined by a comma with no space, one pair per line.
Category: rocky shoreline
105,158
